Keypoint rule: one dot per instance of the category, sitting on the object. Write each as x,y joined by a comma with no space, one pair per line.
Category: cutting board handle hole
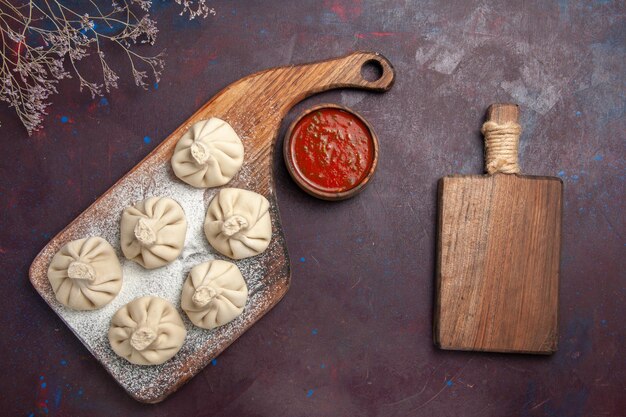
372,70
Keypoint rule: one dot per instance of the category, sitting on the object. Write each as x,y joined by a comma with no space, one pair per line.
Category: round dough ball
208,155
85,274
147,331
153,231
214,294
238,223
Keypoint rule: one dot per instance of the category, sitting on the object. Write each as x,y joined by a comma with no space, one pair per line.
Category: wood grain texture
502,113
499,239
366,286
254,106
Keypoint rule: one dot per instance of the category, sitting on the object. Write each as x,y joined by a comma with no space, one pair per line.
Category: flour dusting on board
152,383
254,106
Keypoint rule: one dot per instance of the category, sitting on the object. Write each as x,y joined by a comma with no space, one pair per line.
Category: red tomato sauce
332,149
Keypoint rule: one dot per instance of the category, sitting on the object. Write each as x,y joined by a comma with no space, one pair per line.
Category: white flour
166,282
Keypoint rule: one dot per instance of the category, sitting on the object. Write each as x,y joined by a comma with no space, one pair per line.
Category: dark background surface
353,335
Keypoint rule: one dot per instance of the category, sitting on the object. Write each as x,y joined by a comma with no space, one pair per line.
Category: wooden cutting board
254,106
499,240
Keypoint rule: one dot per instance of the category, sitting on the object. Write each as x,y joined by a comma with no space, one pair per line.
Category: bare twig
40,37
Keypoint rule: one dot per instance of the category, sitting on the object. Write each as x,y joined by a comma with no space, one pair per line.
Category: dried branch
41,38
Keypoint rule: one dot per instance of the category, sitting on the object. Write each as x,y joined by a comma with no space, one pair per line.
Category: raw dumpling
214,294
208,155
85,274
153,231
147,331
238,223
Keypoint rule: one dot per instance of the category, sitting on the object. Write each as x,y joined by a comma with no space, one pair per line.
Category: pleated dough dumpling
153,231
85,274
214,294
147,331
208,155
238,223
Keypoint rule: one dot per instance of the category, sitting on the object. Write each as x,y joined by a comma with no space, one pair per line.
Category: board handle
348,71
502,132
355,65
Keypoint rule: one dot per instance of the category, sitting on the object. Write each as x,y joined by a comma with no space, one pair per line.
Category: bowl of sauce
331,152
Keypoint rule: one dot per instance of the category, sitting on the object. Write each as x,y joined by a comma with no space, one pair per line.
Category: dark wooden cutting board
254,106
499,240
